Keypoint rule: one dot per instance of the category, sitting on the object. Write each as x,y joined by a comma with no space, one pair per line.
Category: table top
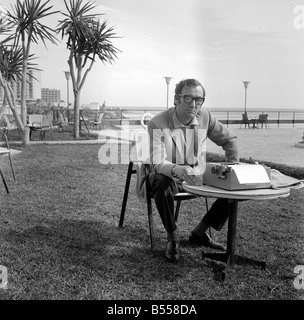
4,150
34,125
251,194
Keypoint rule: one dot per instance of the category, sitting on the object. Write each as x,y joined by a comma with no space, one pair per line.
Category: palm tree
25,18
11,64
87,39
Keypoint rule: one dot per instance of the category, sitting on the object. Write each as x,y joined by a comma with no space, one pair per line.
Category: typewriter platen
236,176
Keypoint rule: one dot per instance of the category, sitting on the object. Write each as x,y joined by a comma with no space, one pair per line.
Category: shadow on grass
97,254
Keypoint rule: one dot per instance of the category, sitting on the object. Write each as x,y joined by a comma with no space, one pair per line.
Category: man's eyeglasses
188,99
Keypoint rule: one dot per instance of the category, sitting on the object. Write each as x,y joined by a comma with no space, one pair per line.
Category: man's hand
188,174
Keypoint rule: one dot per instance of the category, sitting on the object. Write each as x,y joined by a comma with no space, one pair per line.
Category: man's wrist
173,174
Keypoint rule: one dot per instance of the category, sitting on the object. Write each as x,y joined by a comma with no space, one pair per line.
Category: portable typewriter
236,176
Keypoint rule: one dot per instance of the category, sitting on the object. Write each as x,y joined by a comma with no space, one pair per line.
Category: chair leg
12,166
207,209
126,192
151,222
178,203
150,212
4,182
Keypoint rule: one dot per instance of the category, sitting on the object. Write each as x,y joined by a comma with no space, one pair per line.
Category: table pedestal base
239,260
233,196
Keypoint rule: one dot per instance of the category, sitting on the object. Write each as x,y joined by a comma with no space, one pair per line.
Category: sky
220,43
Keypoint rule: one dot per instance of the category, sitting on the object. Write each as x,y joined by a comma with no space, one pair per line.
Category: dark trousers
164,189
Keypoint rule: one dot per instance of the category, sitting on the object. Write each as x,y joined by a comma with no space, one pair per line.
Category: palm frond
102,45
11,62
76,12
26,18
86,36
4,22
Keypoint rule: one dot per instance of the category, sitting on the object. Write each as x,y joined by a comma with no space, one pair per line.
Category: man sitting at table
174,160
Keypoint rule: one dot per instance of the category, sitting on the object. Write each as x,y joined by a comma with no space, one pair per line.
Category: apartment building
32,89
50,96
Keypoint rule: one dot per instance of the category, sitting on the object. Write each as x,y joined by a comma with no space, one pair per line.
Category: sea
223,114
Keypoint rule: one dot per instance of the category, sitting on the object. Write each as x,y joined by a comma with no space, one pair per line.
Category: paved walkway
273,144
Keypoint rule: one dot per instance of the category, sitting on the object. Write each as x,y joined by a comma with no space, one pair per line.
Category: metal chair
6,151
99,123
179,197
10,127
34,123
263,119
46,125
245,121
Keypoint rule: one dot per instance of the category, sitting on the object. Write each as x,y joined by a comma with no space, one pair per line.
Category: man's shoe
206,241
172,251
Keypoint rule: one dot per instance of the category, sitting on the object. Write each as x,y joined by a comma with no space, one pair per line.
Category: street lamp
67,76
246,83
168,79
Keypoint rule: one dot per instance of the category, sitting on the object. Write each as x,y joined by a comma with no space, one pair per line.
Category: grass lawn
60,239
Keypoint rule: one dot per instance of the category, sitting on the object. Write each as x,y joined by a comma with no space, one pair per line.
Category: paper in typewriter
251,174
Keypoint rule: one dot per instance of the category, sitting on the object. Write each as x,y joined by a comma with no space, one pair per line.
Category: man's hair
187,83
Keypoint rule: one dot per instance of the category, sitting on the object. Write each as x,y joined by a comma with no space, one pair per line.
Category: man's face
186,111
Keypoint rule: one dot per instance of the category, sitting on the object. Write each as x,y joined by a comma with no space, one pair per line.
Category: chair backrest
244,117
47,121
100,117
263,117
35,119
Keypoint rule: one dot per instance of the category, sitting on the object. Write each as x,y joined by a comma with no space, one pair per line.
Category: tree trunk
24,129
76,113
25,136
23,94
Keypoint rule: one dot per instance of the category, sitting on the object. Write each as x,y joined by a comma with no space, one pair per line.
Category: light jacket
172,143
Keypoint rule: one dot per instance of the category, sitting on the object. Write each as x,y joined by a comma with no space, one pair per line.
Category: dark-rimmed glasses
188,99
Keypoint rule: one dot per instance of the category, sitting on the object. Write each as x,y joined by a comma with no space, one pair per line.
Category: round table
229,257
249,194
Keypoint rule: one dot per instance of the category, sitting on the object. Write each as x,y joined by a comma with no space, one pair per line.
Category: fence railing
229,117
132,115
274,117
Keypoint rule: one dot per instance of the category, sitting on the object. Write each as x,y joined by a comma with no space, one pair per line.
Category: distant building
50,96
32,88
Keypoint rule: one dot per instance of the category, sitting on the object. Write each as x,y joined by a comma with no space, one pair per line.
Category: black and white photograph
152,153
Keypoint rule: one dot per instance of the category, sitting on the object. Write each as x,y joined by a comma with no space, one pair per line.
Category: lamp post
67,76
246,83
168,79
